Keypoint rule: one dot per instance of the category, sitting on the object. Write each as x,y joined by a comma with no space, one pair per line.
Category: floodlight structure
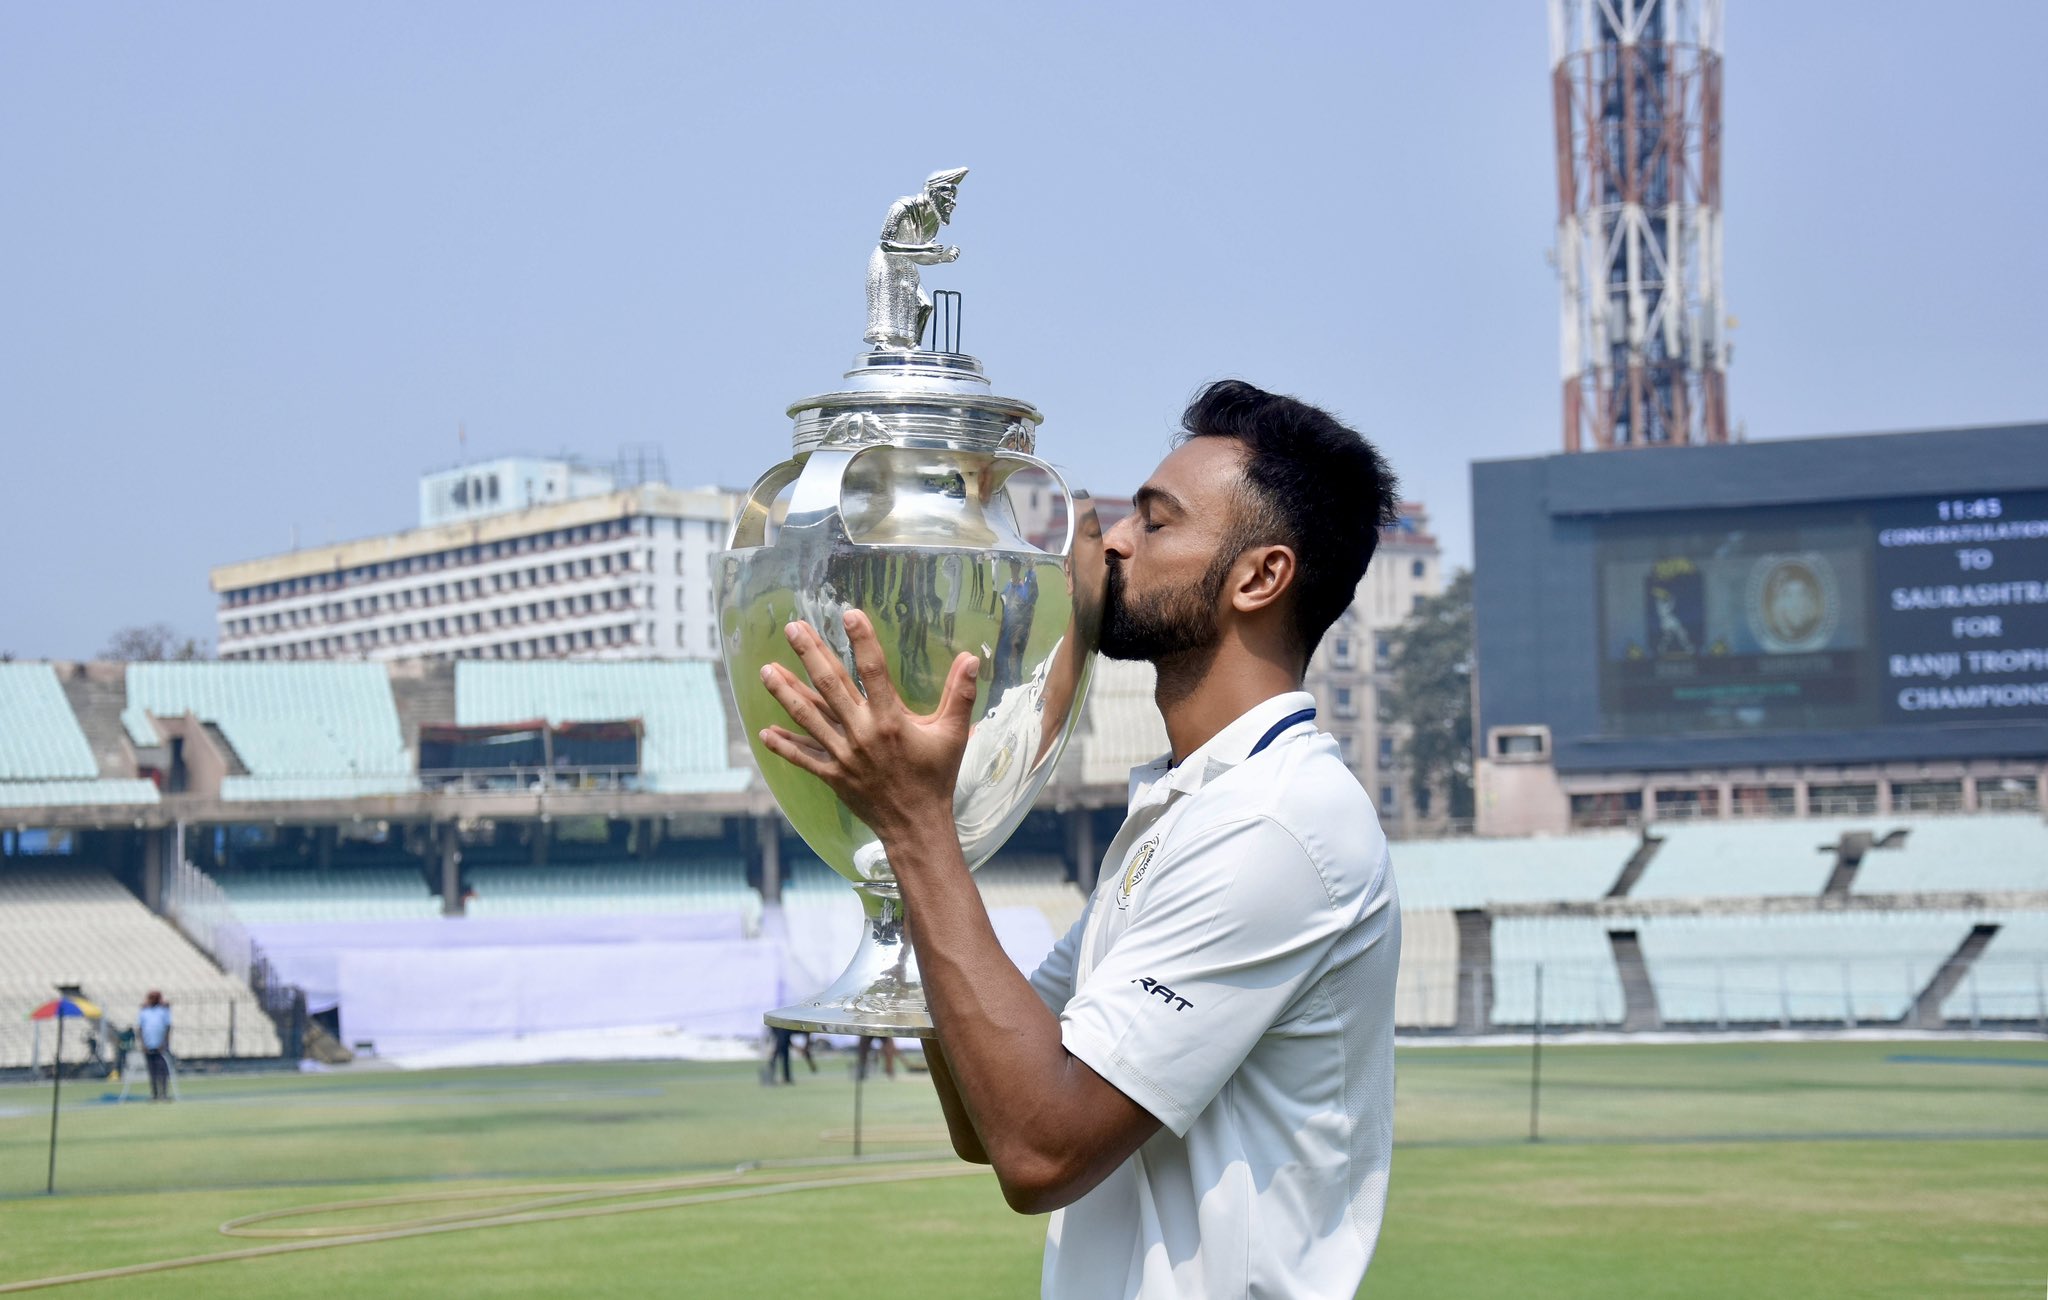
1637,85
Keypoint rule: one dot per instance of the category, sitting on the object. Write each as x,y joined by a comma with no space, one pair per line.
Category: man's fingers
868,657
804,707
828,675
955,713
806,754
797,684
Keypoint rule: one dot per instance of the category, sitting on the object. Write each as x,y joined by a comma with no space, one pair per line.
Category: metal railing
530,780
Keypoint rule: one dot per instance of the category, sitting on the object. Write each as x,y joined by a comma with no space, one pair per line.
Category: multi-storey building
1352,667
513,559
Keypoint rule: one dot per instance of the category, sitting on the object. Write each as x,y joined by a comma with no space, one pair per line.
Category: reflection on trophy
896,502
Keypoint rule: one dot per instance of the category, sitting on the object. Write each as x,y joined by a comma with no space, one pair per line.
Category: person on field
1198,1082
153,1026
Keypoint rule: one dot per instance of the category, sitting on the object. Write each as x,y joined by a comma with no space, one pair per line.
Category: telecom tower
1637,85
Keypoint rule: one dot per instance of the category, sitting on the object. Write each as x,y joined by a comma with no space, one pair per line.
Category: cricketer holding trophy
1198,1080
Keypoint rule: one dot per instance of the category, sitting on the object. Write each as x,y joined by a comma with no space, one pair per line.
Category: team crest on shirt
1134,871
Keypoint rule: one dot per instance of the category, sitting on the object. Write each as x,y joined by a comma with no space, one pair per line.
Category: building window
711,639
1387,804
1386,751
681,607
682,637
1340,650
1415,603
1383,650
1418,568
1345,707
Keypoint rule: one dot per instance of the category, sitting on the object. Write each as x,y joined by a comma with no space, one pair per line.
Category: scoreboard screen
1823,617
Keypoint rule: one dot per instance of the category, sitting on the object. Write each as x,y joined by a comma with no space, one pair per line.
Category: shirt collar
1224,750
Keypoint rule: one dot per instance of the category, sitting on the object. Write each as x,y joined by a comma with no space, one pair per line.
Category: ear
1261,576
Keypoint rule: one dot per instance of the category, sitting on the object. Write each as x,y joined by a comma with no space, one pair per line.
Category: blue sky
259,262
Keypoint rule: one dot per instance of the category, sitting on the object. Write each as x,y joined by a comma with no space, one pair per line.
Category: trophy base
879,993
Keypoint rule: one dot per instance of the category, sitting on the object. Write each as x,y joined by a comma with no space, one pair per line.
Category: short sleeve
1053,981
1234,923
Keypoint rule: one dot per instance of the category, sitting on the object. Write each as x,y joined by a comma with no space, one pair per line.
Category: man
898,307
1198,1081
153,1024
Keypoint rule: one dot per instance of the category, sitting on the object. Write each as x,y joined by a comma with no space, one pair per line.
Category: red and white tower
1637,85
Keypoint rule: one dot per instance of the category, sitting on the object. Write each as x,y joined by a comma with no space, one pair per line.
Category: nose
1117,541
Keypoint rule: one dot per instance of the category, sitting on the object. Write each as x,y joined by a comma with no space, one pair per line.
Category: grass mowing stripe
500,1220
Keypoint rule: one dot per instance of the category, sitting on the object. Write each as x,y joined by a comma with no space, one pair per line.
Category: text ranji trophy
897,501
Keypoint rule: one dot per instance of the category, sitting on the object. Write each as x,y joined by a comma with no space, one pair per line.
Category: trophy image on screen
909,496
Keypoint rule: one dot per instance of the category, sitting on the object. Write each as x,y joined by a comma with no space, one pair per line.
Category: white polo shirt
1234,975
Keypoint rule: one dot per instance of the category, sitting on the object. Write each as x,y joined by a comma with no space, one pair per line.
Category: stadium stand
1036,880
311,730
805,878
45,758
1826,966
1472,873
1760,859
1121,727
45,794
1426,990
683,746
2009,981
610,888
42,740
263,896
80,926
1982,852
1580,983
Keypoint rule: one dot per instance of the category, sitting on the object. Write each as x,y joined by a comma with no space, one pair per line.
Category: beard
1166,624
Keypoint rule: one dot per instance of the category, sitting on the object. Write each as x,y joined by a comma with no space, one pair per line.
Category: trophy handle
757,512
818,476
1009,462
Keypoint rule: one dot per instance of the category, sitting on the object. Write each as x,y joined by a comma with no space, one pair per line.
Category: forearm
922,254
1004,1056
959,1125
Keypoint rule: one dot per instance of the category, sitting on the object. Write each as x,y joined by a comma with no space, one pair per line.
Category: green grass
1767,1169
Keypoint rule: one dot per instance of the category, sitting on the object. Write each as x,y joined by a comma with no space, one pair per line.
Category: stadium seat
1120,725
263,896
1745,859
80,926
41,740
1426,990
1982,852
1831,967
1457,873
706,883
303,731
1581,986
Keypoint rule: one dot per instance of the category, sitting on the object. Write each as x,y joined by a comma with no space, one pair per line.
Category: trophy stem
879,993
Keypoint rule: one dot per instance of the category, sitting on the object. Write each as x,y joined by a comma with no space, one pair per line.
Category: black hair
1311,484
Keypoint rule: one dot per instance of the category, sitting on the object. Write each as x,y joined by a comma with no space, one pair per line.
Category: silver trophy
900,500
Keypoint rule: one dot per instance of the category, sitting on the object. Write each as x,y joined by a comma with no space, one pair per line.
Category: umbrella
60,1010
66,1009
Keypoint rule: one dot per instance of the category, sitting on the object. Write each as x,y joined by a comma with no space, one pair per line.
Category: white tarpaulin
309,953
417,999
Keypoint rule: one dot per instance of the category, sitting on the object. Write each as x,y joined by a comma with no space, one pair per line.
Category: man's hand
893,768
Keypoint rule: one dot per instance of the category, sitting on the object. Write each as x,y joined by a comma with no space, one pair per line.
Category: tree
148,642
1432,697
